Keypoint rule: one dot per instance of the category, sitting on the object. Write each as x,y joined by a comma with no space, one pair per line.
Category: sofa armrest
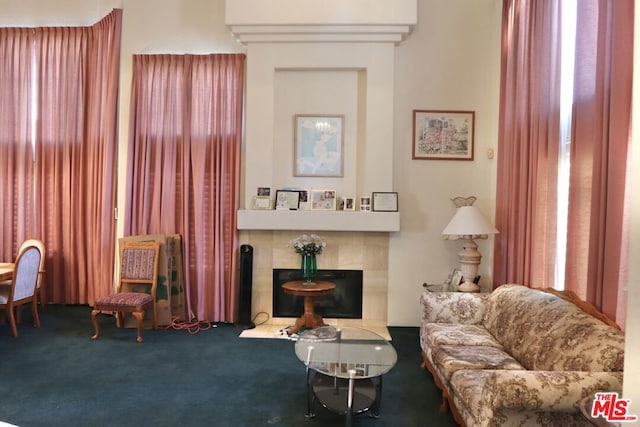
453,307
553,391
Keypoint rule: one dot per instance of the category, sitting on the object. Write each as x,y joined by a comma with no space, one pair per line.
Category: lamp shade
469,221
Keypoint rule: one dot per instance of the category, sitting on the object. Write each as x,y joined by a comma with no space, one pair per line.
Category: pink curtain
601,133
184,168
16,142
75,153
528,143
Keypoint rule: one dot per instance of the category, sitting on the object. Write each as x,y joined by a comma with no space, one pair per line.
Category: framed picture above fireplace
318,145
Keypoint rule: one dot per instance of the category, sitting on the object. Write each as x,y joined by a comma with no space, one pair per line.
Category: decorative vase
309,268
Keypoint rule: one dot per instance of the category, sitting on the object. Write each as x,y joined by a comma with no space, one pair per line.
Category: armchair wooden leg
12,320
119,319
94,320
40,300
139,315
34,313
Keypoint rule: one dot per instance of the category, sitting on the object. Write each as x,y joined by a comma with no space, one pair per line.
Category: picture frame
323,200
261,203
365,204
384,201
287,199
264,191
456,279
318,145
443,135
349,204
303,201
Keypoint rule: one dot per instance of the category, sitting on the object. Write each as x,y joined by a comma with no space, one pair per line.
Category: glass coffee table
344,369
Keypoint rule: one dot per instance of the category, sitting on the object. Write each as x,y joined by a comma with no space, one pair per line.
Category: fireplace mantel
318,220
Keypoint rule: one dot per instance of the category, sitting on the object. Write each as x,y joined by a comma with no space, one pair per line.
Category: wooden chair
22,289
138,265
40,245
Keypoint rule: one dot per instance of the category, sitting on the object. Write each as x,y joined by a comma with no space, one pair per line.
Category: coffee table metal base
333,394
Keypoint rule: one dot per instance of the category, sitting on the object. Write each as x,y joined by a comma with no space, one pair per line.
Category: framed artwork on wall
443,135
318,145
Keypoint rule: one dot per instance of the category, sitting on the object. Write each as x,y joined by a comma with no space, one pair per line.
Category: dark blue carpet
58,376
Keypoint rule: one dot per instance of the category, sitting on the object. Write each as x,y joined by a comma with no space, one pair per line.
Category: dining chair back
41,247
138,266
22,289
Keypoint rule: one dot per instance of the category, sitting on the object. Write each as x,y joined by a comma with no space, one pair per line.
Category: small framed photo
287,199
384,201
456,278
365,203
349,204
303,201
264,191
323,200
318,145
443,135
262,203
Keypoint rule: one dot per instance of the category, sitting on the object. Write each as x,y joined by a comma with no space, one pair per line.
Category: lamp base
469,258
468,287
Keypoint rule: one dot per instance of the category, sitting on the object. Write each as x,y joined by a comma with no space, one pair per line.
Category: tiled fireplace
366,251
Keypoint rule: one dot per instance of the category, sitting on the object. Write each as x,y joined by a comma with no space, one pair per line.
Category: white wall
451,61
314,92
319,78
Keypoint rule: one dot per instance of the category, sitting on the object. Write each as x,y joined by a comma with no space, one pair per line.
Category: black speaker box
245,285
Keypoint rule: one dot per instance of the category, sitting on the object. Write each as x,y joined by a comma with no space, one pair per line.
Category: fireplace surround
365,251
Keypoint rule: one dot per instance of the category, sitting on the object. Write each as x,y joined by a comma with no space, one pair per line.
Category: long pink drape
528,144
74,153
600,143
528,149
16,142
184,168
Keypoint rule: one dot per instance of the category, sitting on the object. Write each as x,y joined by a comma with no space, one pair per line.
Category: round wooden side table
309,318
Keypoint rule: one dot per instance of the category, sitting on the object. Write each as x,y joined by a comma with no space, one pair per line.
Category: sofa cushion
522,398
579,342
451,358
519,317
453,307
437,334
545,332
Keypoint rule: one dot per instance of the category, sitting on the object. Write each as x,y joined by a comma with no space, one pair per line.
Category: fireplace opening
344,303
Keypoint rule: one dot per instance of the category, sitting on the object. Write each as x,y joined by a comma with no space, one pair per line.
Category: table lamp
469,223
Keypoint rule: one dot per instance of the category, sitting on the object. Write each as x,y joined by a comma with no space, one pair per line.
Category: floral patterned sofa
518,356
